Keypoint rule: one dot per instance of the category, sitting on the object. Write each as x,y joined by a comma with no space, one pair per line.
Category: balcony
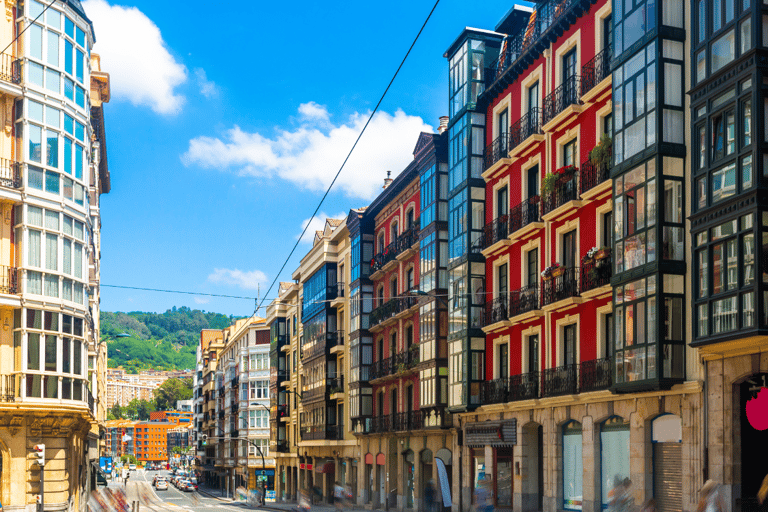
494,153
524,131
335,385
338,346
9,280
525,217
496,310
595,71
510,389
381,369
559,381
380,424
282,447
10,174
525,300
402,243
564,193
494,232
409,420
392,308
561,287
234,407
400,364
10,68
593,175
336,296
234,434
562,102
595,375
221,415
320,432
235,382
595,273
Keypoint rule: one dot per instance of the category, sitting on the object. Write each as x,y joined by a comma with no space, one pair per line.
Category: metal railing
10,173
496,150
381,368
380,424
495,231
596,70
592,175
89,398
525,213
9,280
339,289
316,432
331,291
235,382
566,189
409,420
234,407
547,13
558,288
595,375
496,310
529,124
392,308
10,68
524,386
559,381
565,95
335,384
495,391
524,300
595,273
402,243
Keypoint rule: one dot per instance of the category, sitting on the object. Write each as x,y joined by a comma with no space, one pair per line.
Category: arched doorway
614,457
443,460
667,438
753,443
532,454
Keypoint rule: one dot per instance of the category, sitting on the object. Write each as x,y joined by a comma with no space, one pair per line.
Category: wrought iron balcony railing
524,386
282,447
525,213
381,424
592,175
514,46
392,308
221,414
316,432
524,300
10,68
9,280
495,231
566,189
381,368
235,382
496,310
529,124
496,150
409,420
495,391
596,70
561,287
595,375
10,173
402,243
565,95
559,381
595,273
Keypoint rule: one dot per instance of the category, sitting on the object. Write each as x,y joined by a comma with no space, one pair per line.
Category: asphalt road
140,489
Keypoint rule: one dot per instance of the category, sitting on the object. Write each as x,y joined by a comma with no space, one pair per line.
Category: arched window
393,232
614,458
381,242
573,467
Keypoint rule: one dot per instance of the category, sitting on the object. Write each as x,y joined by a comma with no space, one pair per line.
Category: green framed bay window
649,337
724,277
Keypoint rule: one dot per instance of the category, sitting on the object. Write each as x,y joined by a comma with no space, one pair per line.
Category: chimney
443,124
387,180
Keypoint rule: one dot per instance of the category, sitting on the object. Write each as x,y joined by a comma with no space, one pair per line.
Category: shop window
572,466
614,459
478,470
504,477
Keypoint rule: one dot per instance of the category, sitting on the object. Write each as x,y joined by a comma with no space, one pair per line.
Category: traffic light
205,440
38,452
37,498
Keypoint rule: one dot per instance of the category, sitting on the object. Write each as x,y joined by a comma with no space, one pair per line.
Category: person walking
338,495
429,496
711,501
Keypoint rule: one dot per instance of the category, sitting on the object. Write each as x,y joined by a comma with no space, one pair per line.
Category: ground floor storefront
317,469
397,469
583,452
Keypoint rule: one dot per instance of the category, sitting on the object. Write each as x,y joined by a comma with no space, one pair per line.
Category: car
162,485
132,467
191,485
188,486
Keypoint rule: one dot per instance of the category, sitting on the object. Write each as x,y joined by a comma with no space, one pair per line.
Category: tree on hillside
170,391
139,409
117,412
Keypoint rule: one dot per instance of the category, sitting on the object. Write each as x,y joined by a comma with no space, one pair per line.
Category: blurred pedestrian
429,496
305,501
711,501
338,495
762,494
650,506
484,495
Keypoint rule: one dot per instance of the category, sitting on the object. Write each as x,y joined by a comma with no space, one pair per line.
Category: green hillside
163,341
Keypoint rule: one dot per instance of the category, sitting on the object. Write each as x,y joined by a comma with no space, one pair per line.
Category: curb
201,491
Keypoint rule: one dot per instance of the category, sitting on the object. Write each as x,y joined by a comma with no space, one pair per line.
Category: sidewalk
214,493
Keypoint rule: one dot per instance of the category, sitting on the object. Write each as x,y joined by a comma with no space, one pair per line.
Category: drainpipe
705,462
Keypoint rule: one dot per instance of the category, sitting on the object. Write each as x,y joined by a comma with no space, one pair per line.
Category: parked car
132,467
162,485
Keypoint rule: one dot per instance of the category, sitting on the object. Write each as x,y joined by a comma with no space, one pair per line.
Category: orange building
171,416
151,440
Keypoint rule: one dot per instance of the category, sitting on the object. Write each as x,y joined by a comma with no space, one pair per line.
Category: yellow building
52,364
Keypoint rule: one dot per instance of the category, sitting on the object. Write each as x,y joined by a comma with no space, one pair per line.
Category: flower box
557,272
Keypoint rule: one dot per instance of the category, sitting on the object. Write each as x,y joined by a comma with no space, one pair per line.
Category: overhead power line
29,25
328,190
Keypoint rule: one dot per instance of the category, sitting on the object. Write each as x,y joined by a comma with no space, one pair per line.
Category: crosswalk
151,501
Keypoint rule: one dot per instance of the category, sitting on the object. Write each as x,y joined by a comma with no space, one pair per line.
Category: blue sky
226,125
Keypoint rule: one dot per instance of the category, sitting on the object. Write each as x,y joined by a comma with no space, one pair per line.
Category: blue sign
106,464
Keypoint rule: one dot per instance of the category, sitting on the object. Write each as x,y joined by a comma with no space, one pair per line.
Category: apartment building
122,392
312,314
119,438
211,344
53,169
255,400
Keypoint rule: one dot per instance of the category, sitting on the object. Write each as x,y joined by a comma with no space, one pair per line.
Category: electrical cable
29,25
328,190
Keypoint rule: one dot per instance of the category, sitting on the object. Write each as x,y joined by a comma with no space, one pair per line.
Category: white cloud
201,300
311,154
235,277
133,52
313,110
317,224
207,87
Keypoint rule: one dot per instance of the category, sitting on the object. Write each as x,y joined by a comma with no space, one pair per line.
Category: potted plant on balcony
590,256
603,253
601,154
553,270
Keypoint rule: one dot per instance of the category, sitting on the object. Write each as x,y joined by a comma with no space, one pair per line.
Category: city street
140,489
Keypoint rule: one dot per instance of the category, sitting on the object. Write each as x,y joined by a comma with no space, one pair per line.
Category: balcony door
533,353
569,250
569,77
569,344
502,202
503,127
533,181
393,402
503,361
533,97
532,267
